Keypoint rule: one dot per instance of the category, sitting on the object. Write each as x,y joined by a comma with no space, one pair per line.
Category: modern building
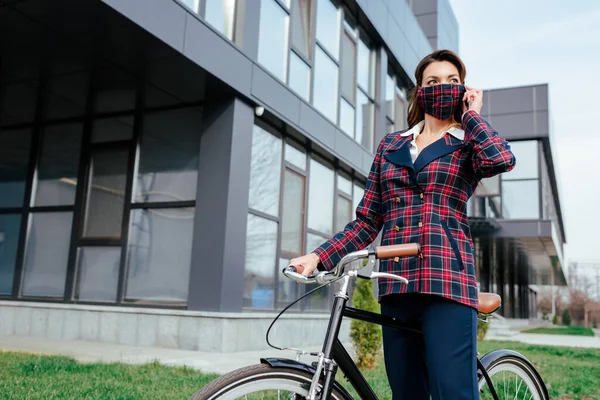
161,160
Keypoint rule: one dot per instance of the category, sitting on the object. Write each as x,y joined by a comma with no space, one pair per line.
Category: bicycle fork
324,359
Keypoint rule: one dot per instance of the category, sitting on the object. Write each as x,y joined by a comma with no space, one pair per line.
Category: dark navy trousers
441,362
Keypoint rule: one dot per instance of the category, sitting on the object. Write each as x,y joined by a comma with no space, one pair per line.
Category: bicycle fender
300,366
488,359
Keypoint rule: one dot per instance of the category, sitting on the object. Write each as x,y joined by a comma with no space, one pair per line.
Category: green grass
563,330
571,373
31,377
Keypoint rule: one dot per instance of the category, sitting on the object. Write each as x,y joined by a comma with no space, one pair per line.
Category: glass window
295,156
343,213
357,196
301,26
261,250
348,67
347,117
389,96
220,14
325,87
364,66
168,167
273,38
159,254
112,129
328,26
320,299
10,226
106,193
344,185
45,266
526,153
289,290
265,172
400,110
99,273
320,198
58,165
14,157
299,80
520,199
364,120
193,4
293,211
489,186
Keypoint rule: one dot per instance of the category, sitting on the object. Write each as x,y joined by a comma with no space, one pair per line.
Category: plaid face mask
440,101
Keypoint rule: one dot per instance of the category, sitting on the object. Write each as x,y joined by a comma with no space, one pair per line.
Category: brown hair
415,112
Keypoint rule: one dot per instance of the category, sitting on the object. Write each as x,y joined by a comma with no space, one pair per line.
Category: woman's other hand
474,98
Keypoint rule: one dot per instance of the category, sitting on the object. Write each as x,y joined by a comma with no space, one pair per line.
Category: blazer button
398,200
420,224
397,228
396,259
421,195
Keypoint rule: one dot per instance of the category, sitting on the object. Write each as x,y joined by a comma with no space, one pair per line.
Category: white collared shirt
416,131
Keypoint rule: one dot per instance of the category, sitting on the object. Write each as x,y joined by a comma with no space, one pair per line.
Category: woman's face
440,72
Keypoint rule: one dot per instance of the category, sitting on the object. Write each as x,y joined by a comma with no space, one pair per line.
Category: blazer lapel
435,150
401,156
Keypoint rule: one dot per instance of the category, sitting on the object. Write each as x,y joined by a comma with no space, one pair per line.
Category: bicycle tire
520,368
248,380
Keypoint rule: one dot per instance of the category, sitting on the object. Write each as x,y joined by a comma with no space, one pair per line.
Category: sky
514,43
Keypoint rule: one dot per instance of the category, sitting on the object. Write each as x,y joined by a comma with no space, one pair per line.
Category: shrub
566,317
545,316
366,337
595,324
555,319
482,328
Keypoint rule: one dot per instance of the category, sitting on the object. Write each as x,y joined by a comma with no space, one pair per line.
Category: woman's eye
454,81
432,82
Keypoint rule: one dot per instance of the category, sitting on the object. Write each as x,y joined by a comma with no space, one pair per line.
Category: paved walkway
552,340
85,351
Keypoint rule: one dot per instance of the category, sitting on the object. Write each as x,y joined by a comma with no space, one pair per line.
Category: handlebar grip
295,268
397,250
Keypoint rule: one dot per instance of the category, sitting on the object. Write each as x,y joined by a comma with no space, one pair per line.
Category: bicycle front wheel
513,379
261,382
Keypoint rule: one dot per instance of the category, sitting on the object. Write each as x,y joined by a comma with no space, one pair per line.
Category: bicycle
275,377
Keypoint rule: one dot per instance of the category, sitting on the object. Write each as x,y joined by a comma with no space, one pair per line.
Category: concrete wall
438,22
187,330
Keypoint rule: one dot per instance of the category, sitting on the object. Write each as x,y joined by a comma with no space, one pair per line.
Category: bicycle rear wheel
513,379
261,382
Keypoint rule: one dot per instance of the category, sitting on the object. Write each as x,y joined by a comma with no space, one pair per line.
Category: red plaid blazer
425,202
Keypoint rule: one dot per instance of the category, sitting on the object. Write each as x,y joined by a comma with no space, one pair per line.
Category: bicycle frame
335,355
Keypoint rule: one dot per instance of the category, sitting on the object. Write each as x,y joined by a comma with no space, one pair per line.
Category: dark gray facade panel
541,97
398,11
319,127
377,12
218,249
524,229
423,6
512,100
367,161
396,41
541,123
164,19
248,37
429,24
217,55
275,94
514,126
349,149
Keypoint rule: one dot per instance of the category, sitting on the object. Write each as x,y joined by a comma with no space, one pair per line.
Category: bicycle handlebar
381,252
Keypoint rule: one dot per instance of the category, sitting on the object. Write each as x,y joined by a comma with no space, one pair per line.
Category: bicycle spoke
518,387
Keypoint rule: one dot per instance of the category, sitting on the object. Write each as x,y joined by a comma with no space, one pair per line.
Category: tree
366,336
566,317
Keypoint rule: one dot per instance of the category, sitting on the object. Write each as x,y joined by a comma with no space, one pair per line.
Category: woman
417,191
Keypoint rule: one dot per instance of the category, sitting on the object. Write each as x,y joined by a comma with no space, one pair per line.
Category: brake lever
387,275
